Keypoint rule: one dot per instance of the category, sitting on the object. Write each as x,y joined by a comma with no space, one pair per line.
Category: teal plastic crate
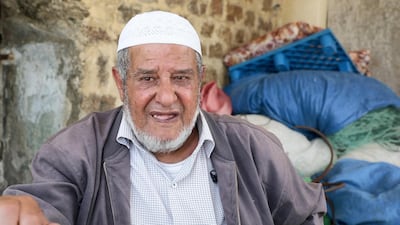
319,51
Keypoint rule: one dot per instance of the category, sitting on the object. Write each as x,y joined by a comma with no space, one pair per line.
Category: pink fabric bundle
214,100
272,40
361,58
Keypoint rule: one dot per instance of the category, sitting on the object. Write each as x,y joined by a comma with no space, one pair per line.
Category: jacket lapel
227,184
225,166
116,166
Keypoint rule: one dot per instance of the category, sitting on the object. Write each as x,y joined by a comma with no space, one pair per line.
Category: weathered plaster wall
62,54
38,92
373,25
310,11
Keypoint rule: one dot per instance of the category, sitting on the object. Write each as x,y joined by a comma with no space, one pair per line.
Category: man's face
163,90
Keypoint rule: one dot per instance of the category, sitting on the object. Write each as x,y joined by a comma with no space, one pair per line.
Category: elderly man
159,159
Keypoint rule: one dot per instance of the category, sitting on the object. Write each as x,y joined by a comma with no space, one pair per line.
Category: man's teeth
163,117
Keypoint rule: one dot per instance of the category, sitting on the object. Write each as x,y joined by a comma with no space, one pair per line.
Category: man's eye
181,77
147,78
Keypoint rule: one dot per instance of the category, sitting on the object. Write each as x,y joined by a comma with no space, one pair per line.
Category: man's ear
118,82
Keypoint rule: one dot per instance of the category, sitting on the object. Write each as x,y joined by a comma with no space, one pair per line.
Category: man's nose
166,93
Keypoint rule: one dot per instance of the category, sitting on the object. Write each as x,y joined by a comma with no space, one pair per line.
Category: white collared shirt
182,193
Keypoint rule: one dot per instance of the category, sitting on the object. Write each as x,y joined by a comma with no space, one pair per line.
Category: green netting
381,126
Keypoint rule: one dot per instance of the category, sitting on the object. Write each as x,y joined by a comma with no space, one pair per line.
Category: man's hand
21,210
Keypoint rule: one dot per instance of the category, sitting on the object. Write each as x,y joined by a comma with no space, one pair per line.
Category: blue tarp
325,100
371,194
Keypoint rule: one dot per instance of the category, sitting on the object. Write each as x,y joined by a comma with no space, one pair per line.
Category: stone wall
61,54
221,24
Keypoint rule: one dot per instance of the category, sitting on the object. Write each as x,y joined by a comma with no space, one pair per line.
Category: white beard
154,144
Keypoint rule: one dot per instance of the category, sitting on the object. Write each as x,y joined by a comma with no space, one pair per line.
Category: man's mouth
164,117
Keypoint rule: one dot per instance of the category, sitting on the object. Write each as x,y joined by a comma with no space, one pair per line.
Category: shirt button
174,185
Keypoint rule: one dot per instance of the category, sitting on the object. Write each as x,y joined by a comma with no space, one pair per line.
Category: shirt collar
206,139
126,137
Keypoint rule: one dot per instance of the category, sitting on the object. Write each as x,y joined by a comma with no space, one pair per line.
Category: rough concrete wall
63,53
40,92
373,25
2,111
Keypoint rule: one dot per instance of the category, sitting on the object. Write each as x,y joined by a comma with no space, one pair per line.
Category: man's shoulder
233,123
100,116
95,123
236,129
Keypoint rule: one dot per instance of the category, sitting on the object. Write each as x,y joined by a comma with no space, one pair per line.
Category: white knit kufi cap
159,27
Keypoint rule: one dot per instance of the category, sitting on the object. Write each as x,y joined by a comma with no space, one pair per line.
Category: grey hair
123,61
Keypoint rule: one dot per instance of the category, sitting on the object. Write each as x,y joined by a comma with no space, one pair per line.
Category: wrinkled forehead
154,55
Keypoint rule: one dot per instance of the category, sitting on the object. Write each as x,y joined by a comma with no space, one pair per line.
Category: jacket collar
225,166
